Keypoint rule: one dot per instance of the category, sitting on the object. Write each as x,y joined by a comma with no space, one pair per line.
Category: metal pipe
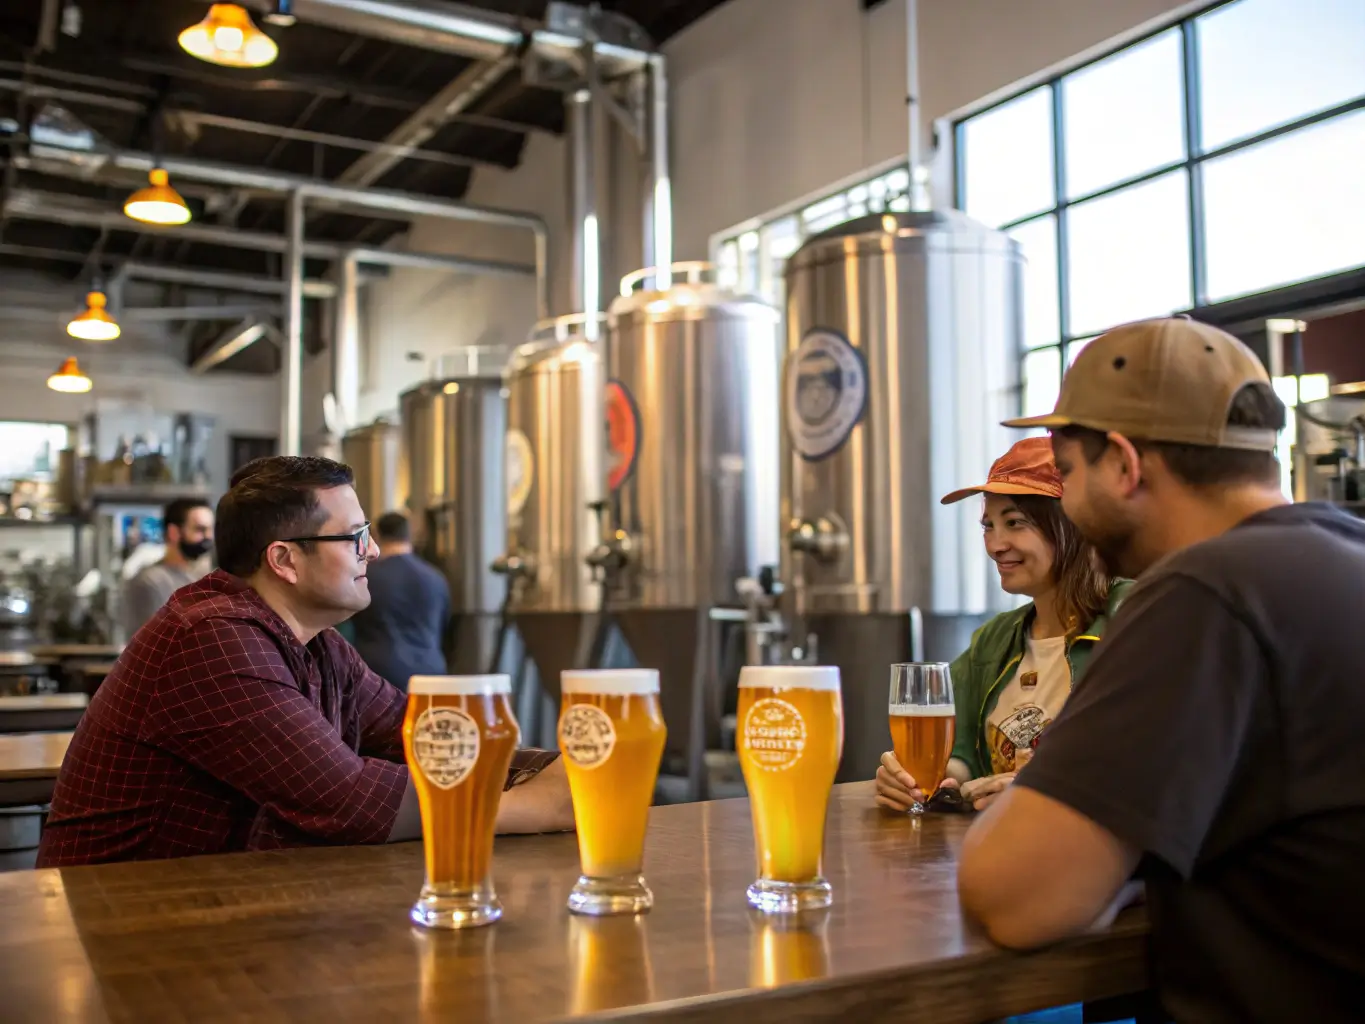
387,150
220,280
658,247
291,366
346,348
426,24
142,314
914,154
587,259
451,28
54,208
437,261
405,204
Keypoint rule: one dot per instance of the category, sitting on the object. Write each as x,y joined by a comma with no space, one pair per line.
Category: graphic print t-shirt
1029,702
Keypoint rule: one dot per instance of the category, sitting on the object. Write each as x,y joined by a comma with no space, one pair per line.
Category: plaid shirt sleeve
235,712
380,707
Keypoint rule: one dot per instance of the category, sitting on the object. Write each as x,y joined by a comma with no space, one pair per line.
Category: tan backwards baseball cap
1172,380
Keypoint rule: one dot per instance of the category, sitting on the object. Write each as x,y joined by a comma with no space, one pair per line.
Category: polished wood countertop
323,935
32,755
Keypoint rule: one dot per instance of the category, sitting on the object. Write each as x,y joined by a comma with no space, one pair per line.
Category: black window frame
1192,163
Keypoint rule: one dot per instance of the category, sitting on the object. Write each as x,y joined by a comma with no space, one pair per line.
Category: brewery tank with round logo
902,349
554,477
453,431
691,416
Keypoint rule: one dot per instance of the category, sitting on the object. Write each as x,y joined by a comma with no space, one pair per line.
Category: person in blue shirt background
401,634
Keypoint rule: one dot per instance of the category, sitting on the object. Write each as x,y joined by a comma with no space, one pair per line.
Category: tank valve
514,566
823,538
612,555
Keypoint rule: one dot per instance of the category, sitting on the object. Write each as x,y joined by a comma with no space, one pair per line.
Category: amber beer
459,735
789,737
922,722
611,732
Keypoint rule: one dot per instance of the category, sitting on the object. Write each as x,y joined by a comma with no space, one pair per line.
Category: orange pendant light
69,378
95,324
158,203
229,37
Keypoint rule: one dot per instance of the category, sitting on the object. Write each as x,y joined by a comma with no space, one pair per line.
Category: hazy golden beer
922,737
923,720
459,735
611,733
789,737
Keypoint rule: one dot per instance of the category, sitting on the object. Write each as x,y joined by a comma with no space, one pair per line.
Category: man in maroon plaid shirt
238,719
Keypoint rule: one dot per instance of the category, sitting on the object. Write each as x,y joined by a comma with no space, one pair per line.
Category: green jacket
983,670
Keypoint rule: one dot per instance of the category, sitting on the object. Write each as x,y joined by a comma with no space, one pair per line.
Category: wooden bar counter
323,935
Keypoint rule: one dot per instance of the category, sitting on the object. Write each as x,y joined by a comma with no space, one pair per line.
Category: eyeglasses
361,540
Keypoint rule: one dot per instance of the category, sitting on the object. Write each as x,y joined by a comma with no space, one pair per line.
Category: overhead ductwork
622,47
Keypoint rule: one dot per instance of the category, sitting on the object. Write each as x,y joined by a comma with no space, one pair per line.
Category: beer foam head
610,681
790,677
923,710
460,686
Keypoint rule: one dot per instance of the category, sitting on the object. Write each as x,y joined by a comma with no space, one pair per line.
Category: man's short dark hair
1197,465
270,499
393,526
177,513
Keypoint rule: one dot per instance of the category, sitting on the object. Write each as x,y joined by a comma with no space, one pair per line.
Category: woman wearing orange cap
1016,675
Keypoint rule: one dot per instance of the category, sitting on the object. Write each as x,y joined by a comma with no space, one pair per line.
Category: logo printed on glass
586,735
445,743
775,734
826,392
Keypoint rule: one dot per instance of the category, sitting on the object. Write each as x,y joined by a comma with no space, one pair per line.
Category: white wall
772,101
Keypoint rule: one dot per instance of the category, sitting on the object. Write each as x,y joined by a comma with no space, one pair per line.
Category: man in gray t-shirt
188,526
1213,748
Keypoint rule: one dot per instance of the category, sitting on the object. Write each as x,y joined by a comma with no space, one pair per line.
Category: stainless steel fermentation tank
555,484
453,432
902,355
374,454
691,405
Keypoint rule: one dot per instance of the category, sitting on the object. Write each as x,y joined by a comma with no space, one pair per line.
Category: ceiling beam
465,90
232,341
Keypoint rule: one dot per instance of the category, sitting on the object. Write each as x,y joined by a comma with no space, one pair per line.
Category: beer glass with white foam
611,733
789,737
923,717
459,735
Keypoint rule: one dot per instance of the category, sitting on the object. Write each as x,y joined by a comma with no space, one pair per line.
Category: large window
753,256
1218,157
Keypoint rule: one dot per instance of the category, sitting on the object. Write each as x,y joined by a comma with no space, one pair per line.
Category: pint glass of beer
922,722
789,737
459,736
611,733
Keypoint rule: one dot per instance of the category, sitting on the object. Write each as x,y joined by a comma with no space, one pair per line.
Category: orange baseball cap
1027,468
1172,379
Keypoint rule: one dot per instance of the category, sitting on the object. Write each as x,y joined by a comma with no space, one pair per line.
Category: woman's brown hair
1082,583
